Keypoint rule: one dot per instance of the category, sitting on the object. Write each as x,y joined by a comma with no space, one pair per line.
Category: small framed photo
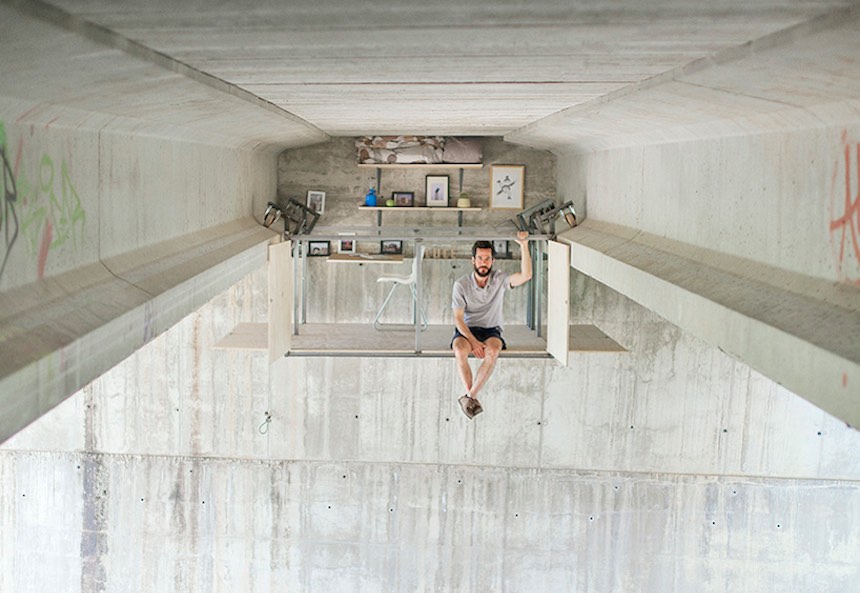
346,246
437,190
403,198
506,186
319,248
502,249
316,201
391,247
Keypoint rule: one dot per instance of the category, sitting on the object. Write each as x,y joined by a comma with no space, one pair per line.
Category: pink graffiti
44,247
845,216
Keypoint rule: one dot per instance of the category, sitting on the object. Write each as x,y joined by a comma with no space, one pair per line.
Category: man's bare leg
492,347
461,353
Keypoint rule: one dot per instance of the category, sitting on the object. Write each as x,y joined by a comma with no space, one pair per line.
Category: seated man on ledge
477,302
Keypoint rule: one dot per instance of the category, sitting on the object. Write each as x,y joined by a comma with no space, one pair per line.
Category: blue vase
370,198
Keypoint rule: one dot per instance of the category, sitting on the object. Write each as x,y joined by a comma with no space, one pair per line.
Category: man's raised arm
525,273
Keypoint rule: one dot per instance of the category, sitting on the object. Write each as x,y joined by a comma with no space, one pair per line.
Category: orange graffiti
845,216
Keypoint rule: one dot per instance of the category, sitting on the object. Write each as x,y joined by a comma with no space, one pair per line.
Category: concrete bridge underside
715,159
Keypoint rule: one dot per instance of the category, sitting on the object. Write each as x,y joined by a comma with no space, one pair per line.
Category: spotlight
273,213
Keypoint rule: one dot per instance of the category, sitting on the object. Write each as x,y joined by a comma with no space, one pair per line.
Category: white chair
409,281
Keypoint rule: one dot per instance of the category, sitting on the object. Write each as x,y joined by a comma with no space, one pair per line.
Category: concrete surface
669,467
331,167
120,216
130,131
798,332
449,67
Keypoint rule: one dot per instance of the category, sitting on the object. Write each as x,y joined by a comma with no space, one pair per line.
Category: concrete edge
77,354
796,360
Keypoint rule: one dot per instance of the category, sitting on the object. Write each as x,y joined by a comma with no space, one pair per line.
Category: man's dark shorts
482,333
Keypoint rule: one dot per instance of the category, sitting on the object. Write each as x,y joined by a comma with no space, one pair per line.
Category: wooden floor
326,339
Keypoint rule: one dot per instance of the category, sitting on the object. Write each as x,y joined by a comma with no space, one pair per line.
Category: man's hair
483,245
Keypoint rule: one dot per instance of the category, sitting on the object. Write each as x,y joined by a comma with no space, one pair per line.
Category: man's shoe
467,407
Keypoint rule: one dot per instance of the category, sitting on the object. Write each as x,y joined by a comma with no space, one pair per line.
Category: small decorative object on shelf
437,190
347,243
463,201
316,201
391,247
370,197
319,248
403,199
501,249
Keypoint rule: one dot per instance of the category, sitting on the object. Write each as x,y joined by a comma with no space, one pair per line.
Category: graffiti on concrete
8,216
845,212
49,218
42,205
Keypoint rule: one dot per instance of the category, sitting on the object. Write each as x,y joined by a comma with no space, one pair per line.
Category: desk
360,258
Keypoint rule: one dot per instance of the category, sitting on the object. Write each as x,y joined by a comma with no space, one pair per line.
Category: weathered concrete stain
95,525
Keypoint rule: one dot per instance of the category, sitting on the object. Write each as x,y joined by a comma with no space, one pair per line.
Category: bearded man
477,301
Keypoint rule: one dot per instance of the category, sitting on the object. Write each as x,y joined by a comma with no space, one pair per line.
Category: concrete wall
723,196
331,167
672,467
757,238
751,156
129,195
775,198
668,468
83,194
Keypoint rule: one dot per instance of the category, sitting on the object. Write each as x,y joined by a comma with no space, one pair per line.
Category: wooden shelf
356,258
413,208
421,165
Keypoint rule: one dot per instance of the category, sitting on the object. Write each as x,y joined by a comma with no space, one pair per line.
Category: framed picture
318,248
403,198
346,246
506,186
316,201
437,190
502,250
391,247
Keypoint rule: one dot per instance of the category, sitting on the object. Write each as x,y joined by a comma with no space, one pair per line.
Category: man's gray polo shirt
483,305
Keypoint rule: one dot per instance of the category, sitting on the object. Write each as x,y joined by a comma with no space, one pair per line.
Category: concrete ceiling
449,67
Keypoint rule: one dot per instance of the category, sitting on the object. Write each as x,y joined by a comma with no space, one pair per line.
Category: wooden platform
358,258
325,339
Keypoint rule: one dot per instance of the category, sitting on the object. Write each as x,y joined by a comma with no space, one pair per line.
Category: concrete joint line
585,474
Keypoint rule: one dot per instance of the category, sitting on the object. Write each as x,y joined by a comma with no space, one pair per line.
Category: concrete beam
60,333
800,332
800,77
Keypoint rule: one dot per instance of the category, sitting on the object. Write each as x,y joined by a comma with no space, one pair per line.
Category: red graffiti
845,215
44,247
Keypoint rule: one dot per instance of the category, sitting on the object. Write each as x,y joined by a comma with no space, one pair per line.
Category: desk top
360,258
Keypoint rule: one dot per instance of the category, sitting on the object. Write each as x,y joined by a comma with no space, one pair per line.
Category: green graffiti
44,206
45,203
